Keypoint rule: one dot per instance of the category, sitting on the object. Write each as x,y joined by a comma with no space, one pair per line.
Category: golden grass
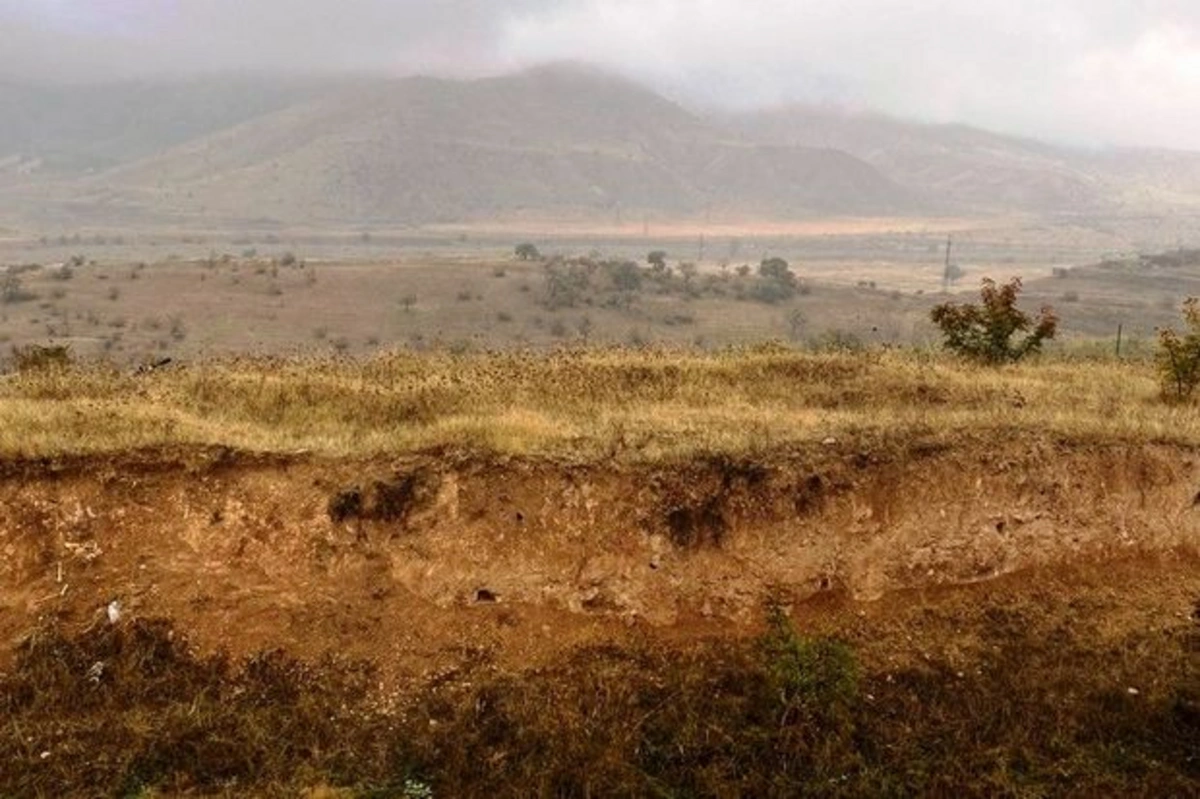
584,404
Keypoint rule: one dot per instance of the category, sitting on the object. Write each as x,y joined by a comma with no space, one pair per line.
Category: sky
1088,72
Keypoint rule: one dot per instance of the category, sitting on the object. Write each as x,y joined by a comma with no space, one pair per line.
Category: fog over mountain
1083,72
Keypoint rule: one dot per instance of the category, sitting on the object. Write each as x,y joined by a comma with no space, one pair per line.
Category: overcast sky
1088,71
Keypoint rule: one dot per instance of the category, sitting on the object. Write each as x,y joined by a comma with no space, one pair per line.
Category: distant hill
969,169
559,139
65,129
553,140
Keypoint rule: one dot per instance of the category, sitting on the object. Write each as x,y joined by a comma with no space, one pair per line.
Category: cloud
1081,70
1092,71
88,39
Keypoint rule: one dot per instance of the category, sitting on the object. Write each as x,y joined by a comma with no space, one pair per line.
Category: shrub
810,676
33,357
1178,356
777,282
12,291
527,251
984,332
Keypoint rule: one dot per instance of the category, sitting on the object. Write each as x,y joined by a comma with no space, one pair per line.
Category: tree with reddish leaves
1178,356
984,332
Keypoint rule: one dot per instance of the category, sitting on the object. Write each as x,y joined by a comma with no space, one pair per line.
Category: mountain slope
964,167
66,129
551,139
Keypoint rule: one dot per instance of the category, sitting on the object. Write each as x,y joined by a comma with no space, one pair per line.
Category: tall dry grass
628,404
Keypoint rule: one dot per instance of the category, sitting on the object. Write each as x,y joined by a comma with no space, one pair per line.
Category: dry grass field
631,404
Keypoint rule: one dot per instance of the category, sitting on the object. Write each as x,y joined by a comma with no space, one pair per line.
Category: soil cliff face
412,562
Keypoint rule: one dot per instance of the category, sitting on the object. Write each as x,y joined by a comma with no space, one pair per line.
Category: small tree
777,282
984,332
657,260
527,251
1178,356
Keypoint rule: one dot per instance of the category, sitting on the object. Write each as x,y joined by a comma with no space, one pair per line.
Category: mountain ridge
563,138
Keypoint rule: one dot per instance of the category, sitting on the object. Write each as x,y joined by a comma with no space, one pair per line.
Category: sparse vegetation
527,251
12,290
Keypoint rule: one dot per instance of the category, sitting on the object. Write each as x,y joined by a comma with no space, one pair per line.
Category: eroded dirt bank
412,562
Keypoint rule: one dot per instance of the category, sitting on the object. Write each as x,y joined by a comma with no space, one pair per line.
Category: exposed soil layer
413,562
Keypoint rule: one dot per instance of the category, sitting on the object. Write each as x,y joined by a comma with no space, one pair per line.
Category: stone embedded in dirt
830,442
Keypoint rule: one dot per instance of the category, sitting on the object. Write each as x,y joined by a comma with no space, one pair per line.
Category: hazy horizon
1118,72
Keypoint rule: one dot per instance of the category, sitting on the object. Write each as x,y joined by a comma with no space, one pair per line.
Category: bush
1178,356
984,332
777,283
12,291
33,357
527,251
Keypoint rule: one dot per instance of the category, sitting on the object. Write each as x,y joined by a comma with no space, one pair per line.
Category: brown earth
419,563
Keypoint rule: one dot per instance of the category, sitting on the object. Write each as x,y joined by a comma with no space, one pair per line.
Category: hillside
964,167
561,140
969,169
558,139
68,130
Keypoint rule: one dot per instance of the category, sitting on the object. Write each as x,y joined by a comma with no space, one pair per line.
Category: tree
1178,356
777,269
527,251
984,332
657,260
777,282
625,276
